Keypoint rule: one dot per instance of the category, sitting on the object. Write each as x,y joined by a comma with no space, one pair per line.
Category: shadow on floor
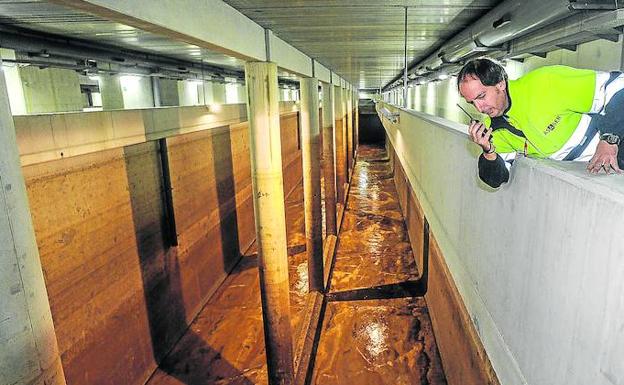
162,286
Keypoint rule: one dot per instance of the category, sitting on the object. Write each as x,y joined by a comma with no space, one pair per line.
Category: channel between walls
122,286
536,265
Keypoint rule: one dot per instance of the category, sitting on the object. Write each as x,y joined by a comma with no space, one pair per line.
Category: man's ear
502,85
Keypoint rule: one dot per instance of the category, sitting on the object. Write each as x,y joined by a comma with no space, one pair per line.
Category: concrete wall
538,263
120,297
189,92
34,91
112,96
137,91
464,359
168,92
218,93
14,83
50,90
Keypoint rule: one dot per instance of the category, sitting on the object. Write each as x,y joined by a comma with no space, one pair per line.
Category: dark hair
487,71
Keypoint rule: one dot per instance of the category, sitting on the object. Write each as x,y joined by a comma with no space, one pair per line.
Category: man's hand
604,158
481,136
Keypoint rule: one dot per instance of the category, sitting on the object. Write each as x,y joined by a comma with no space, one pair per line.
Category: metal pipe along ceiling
508,21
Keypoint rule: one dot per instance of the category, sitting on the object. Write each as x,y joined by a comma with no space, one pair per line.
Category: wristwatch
610,138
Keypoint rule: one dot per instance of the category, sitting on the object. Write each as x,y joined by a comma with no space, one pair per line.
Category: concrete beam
290,58
336,80
211,24
322,73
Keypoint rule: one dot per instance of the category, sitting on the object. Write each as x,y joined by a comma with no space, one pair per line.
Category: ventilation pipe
507,21
568,33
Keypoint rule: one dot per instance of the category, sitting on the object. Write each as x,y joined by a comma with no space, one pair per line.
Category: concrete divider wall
539,264
119,296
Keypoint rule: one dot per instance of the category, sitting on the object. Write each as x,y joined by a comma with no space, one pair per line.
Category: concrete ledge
47,137
538,263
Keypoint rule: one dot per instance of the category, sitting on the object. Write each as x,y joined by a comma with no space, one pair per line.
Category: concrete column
349,128
28,348
156,91
340,172
356,127
345,140
329,173
310,152
268,199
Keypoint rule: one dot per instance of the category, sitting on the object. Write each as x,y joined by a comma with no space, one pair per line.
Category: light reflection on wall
431,99
231,93
417,99
452,98
136,91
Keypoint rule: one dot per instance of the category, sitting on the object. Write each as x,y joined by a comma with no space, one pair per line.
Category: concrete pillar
329,173
338,121
349,101
28,348
310,153
345,141
356,127
268,199
156,91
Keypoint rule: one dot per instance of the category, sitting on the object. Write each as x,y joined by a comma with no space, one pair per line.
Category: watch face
610,138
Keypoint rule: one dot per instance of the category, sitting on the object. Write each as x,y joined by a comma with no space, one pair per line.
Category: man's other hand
605,159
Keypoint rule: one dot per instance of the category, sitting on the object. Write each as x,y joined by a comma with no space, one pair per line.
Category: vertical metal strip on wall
171,231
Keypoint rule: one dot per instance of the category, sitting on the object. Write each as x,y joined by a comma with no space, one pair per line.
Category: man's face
489,100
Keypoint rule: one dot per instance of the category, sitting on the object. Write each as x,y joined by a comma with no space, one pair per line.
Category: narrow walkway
362,342
387,341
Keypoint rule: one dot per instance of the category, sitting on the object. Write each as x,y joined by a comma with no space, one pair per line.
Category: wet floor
363,342
386,341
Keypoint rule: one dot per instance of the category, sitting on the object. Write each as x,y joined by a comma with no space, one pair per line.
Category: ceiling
362,41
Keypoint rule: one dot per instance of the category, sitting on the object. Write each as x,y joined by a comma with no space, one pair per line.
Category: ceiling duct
509,20
568,33
41,48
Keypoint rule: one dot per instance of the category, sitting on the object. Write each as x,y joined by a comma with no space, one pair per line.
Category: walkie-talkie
471,118
467,114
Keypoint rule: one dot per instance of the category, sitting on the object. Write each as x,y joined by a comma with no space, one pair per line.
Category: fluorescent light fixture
443,76
94,77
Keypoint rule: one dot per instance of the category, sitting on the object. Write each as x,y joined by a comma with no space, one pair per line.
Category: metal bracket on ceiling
594,5
614,37
567,47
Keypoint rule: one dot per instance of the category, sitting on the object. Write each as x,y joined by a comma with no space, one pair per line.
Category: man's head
483,83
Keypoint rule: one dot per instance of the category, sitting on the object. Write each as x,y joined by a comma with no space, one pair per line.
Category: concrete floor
364,342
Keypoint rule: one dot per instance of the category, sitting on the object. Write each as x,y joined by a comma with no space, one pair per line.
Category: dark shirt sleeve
613,119
493,172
